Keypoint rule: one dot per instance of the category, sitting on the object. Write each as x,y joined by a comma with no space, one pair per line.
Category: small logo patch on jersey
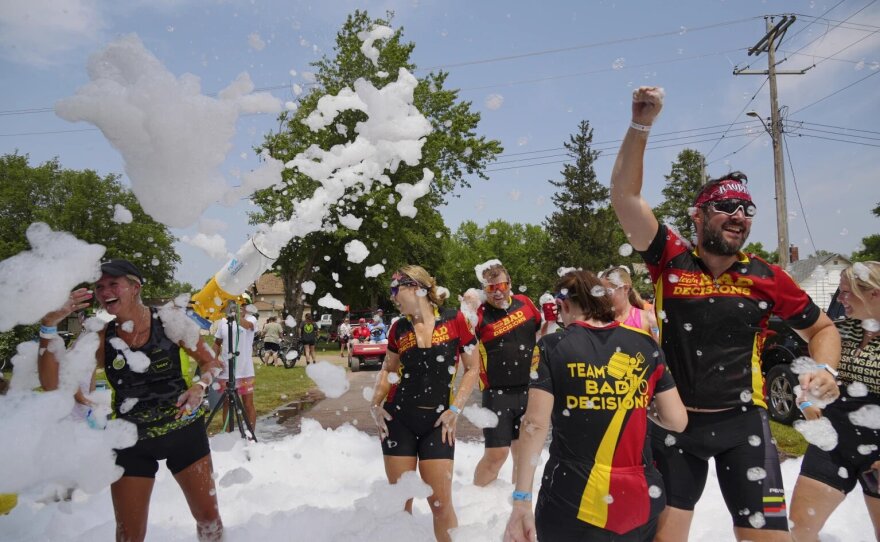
119,363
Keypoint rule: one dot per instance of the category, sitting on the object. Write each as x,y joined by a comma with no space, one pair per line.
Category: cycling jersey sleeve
465,335
791,303
392,337
659,251
665,382
536,314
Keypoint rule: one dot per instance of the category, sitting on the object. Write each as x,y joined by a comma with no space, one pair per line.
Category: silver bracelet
640,127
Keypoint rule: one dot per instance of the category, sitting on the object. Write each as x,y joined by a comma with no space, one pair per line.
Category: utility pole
768,44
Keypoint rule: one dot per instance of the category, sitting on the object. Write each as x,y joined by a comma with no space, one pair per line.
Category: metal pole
778,163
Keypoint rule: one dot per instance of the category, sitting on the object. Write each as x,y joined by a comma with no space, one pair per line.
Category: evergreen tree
682,186
583,231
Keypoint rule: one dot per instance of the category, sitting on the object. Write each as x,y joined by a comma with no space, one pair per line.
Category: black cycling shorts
746,462
411,433
555,526
180,448
510,406
826,467
274,347
308,342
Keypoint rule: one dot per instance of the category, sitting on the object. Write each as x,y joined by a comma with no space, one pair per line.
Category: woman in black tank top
151,390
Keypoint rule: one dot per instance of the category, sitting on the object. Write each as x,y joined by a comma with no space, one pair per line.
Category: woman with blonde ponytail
413,405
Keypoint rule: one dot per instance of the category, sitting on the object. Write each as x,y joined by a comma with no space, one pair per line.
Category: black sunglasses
731,206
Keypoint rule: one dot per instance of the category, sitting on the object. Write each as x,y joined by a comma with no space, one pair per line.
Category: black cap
121,268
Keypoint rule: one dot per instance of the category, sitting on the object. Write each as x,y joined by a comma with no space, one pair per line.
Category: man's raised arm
635,215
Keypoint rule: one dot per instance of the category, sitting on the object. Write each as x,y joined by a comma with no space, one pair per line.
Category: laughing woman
417,421
827,476
166,405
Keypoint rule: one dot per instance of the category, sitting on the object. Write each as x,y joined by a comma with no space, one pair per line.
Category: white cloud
37,31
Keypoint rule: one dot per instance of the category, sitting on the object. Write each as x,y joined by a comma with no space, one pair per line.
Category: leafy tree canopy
452,151
82,203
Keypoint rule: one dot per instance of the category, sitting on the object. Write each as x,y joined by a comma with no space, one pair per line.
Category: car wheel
780,394
354,363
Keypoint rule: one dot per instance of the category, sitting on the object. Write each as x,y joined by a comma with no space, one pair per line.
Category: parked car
782,346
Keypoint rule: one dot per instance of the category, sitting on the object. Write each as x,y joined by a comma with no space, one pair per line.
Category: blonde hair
624,278
429,283
862,281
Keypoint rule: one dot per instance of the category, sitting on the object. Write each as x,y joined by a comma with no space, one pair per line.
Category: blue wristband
455,409
522,496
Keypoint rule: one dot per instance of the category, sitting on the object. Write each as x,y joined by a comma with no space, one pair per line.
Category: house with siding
819,276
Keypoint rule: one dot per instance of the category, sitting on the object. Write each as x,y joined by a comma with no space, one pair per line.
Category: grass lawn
788,440
275,387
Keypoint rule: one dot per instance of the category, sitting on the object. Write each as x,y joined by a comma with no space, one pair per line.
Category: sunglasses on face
731,206
502,287
397,284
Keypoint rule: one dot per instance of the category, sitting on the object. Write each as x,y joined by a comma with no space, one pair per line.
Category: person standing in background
242,338
308,336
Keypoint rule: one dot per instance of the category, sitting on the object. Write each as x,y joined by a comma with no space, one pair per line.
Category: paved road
350,408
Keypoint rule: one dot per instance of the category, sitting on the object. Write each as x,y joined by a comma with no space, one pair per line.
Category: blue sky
533,71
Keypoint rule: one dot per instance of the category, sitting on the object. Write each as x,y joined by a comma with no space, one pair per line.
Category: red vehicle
364,352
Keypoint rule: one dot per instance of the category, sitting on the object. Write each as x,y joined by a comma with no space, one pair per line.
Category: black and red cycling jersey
426,374
507,342
602,380
712,329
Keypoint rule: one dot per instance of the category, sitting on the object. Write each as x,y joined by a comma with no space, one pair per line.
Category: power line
795,127
482,61
838,127
872,74
827,30
585,46
599,70
734,152
738,115
798,192
840,140
820,17
51,132
608,154
616,142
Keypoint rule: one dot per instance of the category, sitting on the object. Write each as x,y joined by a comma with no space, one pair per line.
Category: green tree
682,186
452,151
517,246
583,231
871,250
758,249
83,204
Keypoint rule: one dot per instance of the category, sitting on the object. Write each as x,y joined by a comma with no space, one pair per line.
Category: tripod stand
230,397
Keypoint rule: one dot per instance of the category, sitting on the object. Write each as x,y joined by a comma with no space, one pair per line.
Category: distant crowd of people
637,398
